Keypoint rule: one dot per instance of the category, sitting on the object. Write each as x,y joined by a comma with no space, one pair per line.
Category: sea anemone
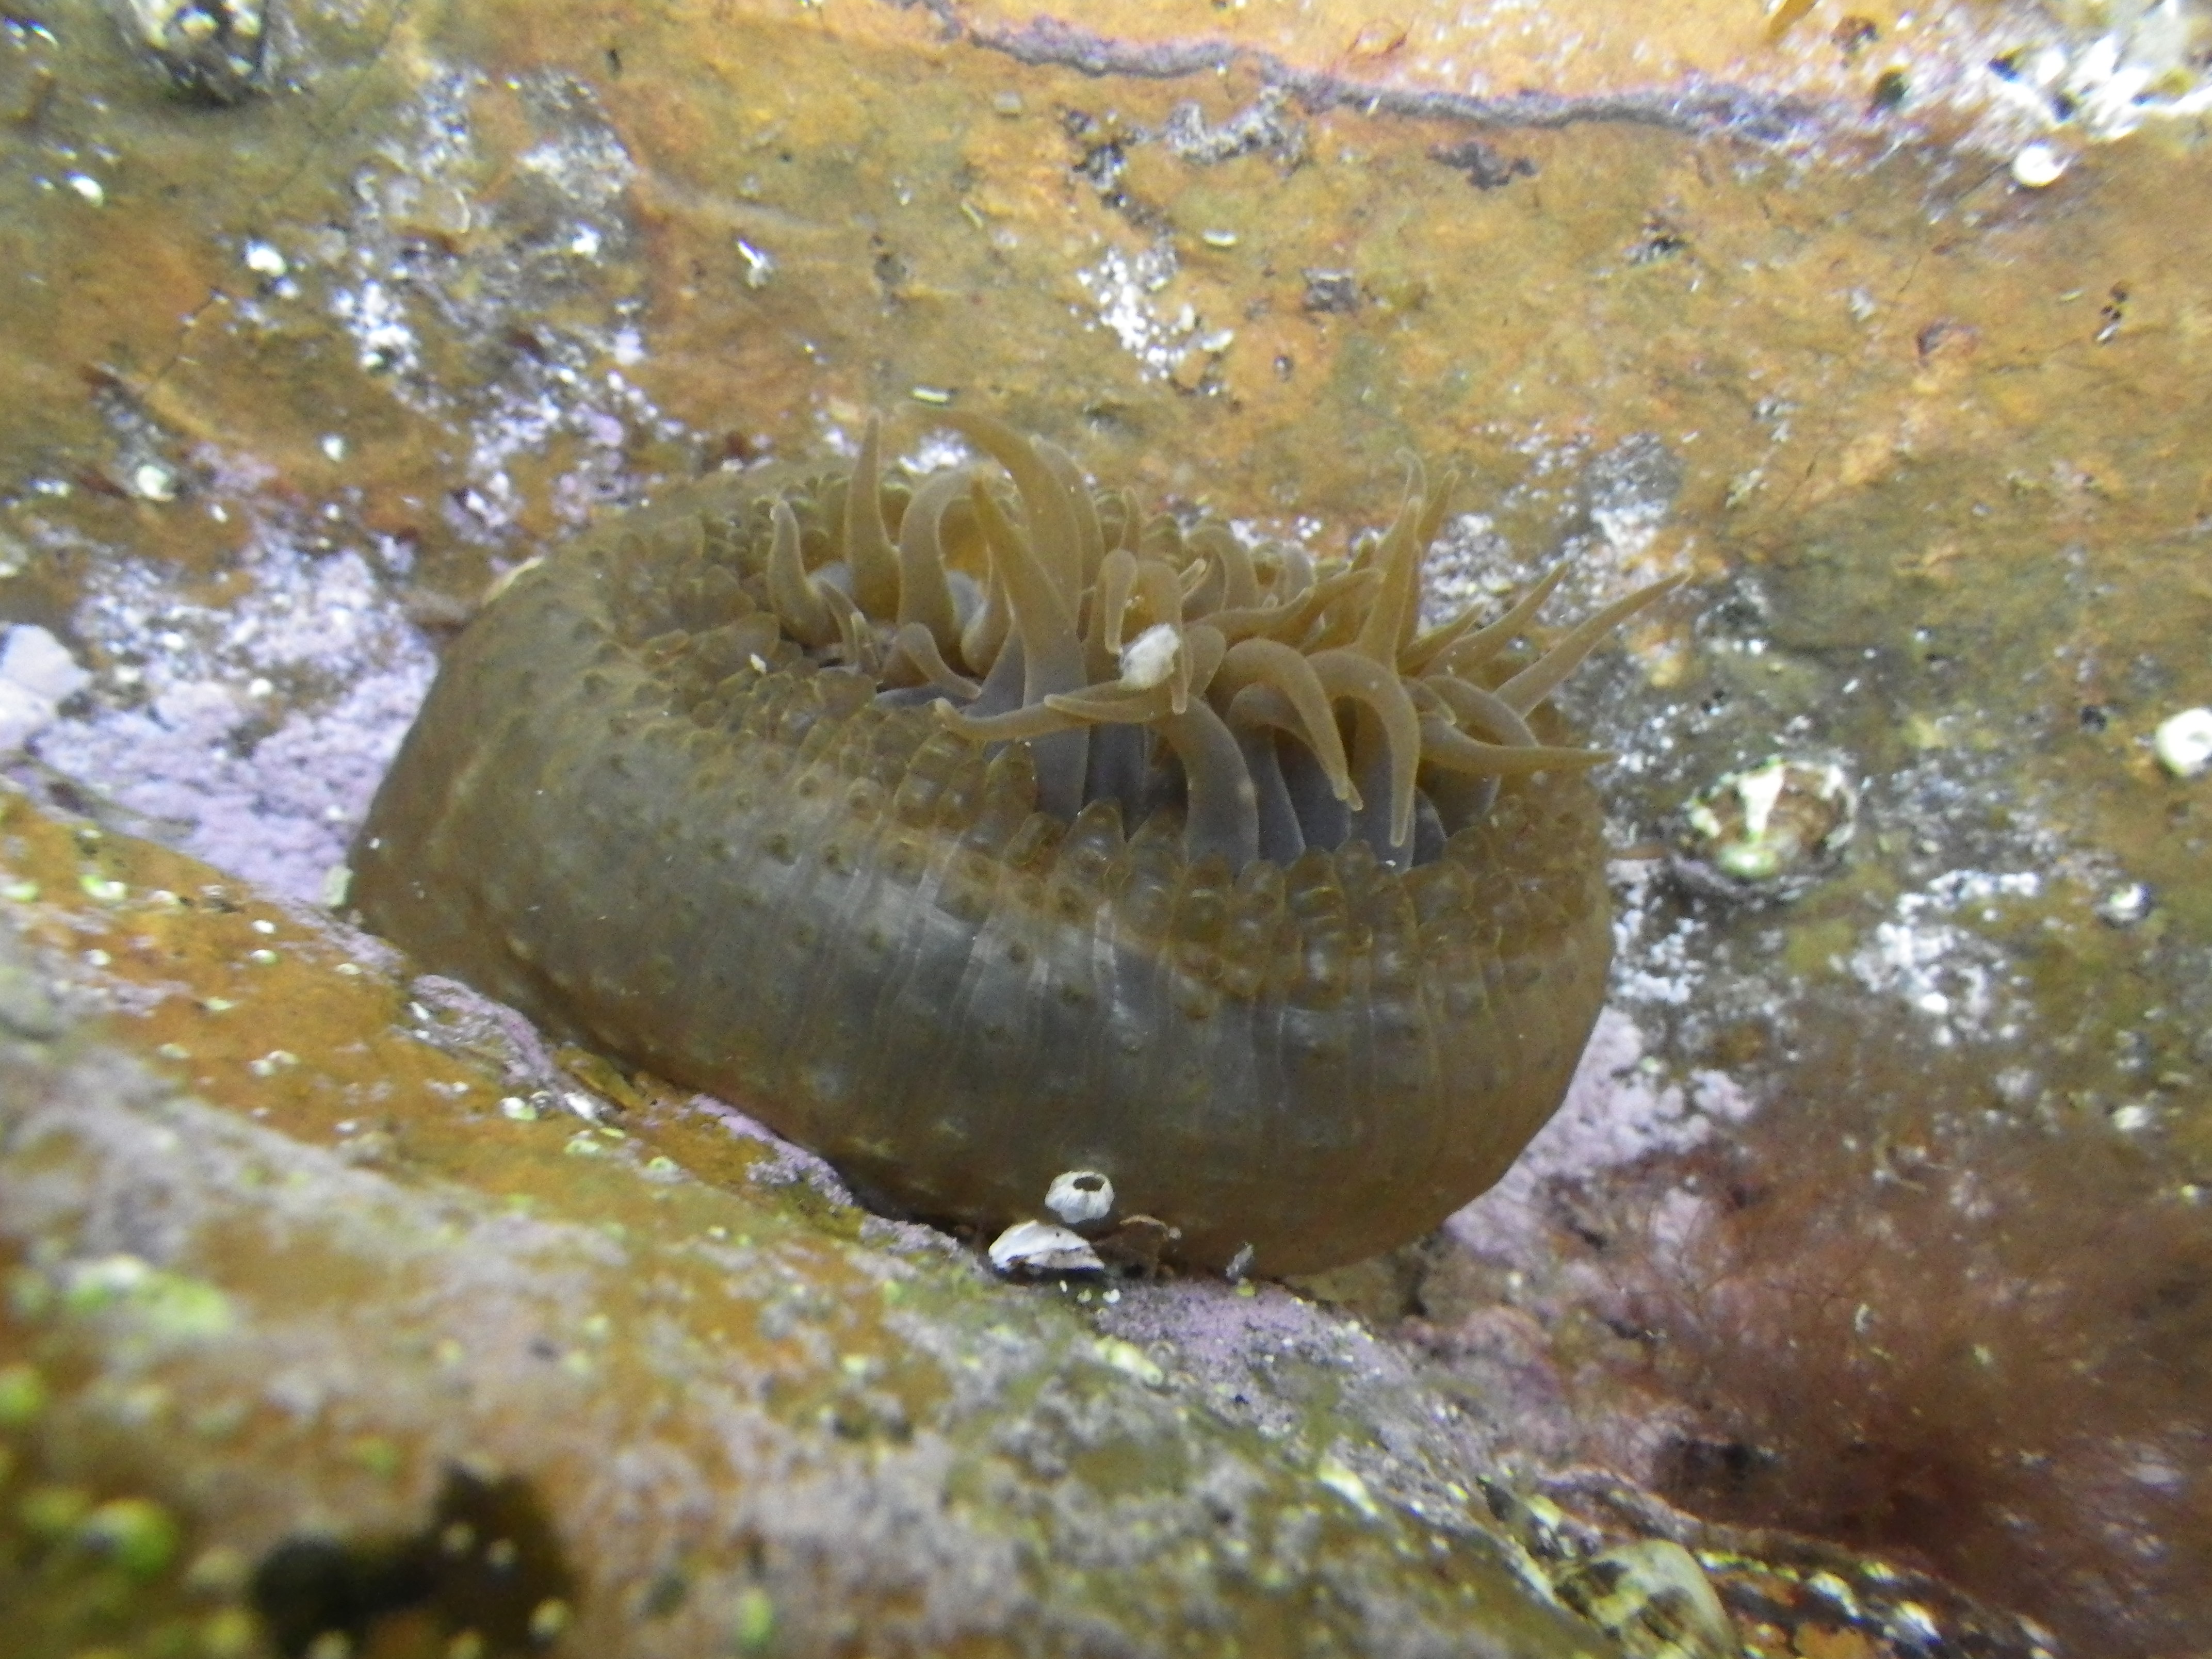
969,837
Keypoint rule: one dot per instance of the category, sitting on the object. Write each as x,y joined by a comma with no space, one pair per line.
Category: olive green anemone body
968,835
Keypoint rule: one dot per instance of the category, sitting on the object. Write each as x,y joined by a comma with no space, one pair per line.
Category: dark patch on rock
1486,167
487,1562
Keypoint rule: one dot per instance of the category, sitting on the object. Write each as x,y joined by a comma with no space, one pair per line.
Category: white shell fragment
1079,1195
2182,742
1148,659
1038,1247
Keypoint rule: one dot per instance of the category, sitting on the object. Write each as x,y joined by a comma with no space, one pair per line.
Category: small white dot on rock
2037,165
2182,742
2125,906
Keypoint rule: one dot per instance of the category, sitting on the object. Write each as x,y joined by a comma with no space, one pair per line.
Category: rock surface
312,1261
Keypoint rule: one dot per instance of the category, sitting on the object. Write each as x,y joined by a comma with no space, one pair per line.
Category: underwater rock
280,1377
340,1303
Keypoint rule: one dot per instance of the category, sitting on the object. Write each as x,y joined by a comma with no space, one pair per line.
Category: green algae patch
22,1396
138,1535
151,1307
89,1563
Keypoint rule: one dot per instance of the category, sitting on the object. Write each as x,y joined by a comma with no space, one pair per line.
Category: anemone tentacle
1105,611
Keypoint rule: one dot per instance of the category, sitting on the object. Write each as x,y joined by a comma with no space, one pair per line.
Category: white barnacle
1038,1247
1781,818
1077,1196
